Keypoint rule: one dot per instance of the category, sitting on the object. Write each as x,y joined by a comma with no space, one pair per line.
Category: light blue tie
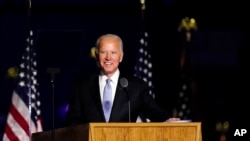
107,100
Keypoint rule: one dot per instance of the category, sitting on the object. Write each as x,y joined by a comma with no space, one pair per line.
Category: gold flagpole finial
143,4
187,24
12,72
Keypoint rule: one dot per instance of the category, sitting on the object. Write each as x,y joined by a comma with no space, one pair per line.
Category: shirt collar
114,77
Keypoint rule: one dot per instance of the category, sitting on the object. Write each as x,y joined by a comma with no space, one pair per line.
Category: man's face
110,55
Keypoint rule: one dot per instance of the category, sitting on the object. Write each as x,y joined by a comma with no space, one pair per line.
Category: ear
121,57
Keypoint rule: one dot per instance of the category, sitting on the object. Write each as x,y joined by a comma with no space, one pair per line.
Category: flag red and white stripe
24,117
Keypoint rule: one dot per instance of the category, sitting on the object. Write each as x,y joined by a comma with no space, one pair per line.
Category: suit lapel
118,103
96,96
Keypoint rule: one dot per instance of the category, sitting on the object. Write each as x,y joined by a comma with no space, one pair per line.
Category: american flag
24,117
143,67
183,107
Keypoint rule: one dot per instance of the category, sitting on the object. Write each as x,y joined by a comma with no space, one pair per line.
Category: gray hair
110,36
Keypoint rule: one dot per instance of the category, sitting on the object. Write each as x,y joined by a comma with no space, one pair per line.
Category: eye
101,52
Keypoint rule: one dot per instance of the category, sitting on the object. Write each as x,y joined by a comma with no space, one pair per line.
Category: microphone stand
52,72
129,116
124,85
129,113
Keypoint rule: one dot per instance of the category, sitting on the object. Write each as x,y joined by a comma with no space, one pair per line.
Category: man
128,97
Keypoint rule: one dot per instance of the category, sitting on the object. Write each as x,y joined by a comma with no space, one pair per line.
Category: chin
109,71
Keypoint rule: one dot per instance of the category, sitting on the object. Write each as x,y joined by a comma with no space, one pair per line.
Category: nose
108,56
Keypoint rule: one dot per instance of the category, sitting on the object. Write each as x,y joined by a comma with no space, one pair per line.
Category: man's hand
172,119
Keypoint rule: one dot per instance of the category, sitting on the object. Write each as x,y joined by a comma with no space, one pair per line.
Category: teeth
107,63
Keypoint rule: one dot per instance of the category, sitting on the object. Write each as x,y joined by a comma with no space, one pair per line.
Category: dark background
65,31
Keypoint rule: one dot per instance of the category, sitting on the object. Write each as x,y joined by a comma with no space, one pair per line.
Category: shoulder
85,78
134,80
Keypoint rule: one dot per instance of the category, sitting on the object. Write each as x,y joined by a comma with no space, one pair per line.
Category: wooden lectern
188,131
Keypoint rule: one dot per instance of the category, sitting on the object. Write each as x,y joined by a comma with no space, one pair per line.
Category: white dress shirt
113,83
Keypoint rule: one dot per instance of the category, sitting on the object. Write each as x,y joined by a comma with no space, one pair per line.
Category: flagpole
144,54
29,16
184,102
29,62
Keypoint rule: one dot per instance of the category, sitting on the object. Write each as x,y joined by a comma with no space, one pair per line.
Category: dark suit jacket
86,106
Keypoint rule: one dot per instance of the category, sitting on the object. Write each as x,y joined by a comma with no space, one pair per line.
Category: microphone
124,84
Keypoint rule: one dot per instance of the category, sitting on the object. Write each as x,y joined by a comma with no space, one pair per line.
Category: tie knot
108,81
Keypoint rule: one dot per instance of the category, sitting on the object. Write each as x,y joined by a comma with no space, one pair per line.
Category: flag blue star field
183,106
183,109
143,68
24,117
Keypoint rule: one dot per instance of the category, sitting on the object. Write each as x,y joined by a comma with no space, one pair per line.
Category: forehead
109,40
110,43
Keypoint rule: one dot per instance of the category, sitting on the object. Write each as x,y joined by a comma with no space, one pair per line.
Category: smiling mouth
107,63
